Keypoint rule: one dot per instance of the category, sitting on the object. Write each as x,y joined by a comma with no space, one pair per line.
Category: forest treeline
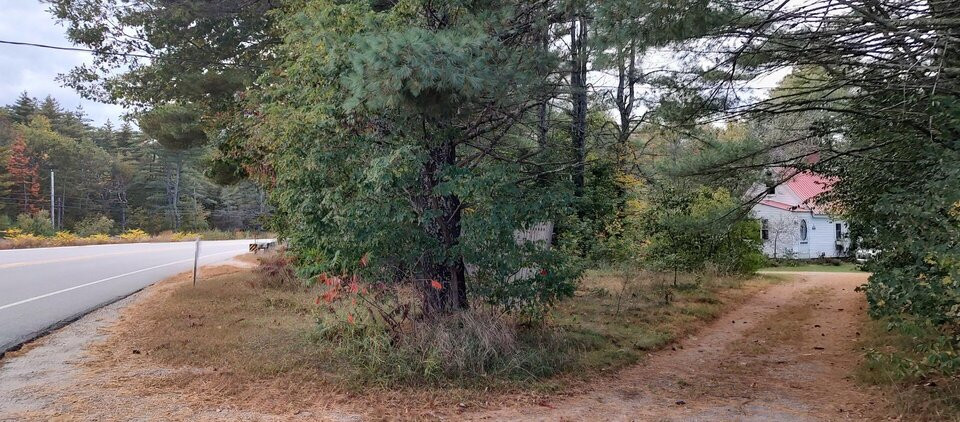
108,179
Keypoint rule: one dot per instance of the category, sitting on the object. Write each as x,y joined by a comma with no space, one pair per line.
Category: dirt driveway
786,354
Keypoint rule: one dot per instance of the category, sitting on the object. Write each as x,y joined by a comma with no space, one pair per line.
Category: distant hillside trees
111,173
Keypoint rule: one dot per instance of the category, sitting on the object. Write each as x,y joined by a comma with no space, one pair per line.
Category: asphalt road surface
44,288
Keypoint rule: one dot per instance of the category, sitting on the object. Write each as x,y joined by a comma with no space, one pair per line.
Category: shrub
26,240
382,330
95,224
686,229
99,238
37,223
275,271
180,236
134,235
467,346
223,235
5,222
12,233
63,238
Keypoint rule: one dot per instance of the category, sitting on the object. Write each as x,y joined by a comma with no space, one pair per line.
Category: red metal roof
808,185
784,206
777,204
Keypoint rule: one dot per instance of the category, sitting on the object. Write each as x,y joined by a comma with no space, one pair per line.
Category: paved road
46,287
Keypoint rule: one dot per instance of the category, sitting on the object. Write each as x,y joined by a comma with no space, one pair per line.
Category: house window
839,231
803,230
764,229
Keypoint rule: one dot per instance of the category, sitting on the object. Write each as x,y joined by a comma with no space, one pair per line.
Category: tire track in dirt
787,354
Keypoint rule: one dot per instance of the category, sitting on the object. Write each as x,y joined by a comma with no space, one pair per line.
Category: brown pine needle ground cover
230,340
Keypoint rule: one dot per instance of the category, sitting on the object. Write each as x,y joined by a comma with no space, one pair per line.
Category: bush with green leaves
690,227
94,224
599,228
907,206
38,223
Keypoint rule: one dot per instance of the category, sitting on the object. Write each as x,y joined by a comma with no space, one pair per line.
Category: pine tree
124,138
51,108
73,124
423,113
105,137
23,108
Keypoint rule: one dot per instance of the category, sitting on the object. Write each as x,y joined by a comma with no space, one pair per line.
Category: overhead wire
120,54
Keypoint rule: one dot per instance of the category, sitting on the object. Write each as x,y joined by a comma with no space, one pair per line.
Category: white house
794,225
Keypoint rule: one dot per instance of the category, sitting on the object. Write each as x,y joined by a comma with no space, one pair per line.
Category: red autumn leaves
351,287
340,287
24,176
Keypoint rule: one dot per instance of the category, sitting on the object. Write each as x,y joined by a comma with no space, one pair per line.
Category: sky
34,69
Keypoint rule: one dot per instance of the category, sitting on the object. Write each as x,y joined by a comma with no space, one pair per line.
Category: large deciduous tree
23,177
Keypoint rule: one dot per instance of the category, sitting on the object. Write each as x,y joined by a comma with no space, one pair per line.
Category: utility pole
53,218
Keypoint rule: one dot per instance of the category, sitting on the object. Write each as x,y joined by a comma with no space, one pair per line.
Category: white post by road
196,257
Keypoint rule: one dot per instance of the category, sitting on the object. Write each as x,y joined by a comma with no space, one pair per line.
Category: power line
110,53
84,50
98,206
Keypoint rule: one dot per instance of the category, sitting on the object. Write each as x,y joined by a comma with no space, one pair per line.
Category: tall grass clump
463,348
275,271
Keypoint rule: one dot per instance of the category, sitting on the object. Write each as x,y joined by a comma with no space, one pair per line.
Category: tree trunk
543,112
174,193
26,196
123,216
626,94
445,228
578,97
62,208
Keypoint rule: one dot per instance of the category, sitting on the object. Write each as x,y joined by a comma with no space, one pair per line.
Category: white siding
784,233
823,237
782,228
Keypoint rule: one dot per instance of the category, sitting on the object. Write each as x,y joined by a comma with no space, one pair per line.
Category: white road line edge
10,305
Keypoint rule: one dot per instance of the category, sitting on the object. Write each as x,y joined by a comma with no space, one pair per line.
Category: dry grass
618,317
224,340
239,338
783,330
225,322
915,397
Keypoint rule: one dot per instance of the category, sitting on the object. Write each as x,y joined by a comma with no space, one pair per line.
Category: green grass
608,339
819,268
